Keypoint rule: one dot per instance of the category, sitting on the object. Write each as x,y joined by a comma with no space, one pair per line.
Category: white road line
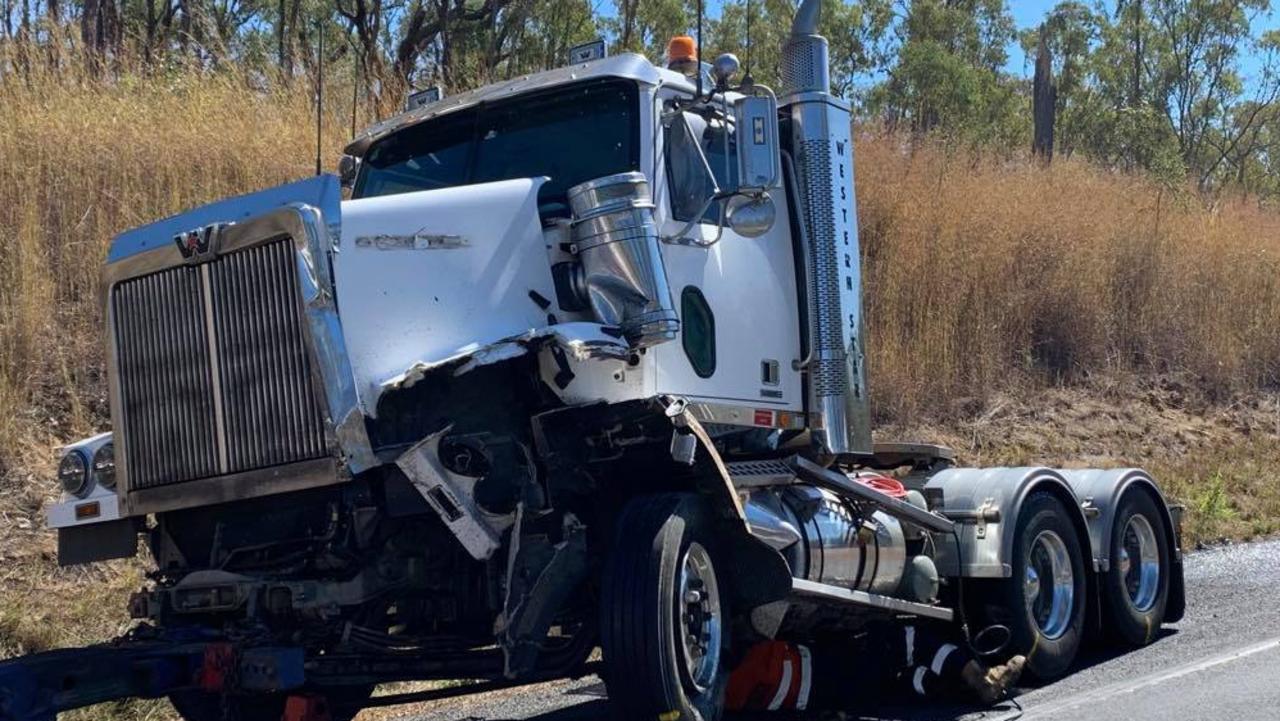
1126,687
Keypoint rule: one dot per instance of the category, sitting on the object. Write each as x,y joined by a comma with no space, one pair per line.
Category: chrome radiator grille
214,375
165,378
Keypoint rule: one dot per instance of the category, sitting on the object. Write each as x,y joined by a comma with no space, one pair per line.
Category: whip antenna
698,57
319,93
746,69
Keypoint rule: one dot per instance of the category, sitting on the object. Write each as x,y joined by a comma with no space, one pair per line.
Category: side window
687,174
698,331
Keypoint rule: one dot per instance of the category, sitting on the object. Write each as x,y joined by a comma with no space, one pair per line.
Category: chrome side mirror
348,168
759,153
752,216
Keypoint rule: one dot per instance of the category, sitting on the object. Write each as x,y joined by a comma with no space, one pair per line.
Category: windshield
571,135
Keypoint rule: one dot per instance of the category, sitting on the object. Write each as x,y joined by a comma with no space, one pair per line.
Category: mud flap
97,542
1177,604
758,575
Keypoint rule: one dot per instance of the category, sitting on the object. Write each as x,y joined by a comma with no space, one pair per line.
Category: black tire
1051,641
344,703
1135,609
642,612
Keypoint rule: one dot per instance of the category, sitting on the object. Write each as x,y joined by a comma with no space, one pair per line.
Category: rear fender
1100,492
985,503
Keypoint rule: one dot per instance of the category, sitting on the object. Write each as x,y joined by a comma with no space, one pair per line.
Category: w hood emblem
200,242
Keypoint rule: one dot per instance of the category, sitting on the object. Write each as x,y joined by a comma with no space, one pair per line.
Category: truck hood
434,275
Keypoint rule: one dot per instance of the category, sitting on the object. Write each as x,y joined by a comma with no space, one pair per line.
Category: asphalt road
1220,663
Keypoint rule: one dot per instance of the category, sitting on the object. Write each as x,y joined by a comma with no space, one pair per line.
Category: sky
1027,14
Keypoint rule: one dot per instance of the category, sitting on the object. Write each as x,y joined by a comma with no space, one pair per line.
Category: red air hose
891,487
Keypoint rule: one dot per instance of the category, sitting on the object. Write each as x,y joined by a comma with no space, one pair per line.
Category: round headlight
104,466
73,473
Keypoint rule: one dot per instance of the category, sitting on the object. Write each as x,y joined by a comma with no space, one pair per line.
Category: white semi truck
578,365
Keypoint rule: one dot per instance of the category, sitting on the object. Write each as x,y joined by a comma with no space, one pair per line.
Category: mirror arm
681,238
727,159
706,165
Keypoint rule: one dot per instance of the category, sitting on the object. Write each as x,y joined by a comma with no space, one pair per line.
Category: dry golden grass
81,160
1002,299
983,275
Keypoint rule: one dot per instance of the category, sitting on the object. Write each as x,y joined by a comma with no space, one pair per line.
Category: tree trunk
150,41
280,35
1136,91
629,9
446,44
295,8
1044,101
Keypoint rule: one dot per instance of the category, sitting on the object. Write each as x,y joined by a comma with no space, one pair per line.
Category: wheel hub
1033,583
1049,586
1140,563
700,621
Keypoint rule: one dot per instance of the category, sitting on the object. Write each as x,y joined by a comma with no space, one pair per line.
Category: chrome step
839,594
754,474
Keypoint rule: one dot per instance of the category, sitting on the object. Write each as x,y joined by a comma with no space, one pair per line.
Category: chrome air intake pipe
822,144
622,275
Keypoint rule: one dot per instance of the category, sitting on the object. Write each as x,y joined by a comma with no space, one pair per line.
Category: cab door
737,298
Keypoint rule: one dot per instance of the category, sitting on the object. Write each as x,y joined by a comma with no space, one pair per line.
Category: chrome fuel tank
823,540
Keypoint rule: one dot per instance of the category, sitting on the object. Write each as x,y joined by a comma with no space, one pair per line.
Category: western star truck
577,365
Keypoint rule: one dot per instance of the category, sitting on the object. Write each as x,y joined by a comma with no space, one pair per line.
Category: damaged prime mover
578,365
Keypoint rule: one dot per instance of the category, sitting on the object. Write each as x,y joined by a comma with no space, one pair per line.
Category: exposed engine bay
373,566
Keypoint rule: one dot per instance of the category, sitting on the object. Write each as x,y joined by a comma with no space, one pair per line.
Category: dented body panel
426,277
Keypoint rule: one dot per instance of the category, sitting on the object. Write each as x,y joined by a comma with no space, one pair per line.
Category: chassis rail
151,664
39,686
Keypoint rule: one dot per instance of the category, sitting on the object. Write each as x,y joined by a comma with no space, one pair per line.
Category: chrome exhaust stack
822,143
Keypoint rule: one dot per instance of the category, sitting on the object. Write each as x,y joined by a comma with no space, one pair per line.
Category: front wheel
664,613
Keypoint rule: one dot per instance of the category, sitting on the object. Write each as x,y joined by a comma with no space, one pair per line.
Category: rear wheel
1043,602
1136,588
664,614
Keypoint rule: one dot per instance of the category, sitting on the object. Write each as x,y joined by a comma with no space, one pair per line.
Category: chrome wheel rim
1140,563
700,620
1049,584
